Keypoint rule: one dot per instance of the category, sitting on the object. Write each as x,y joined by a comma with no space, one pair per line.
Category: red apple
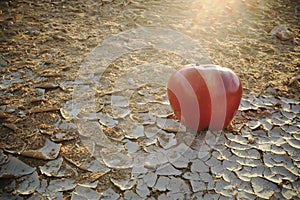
205,96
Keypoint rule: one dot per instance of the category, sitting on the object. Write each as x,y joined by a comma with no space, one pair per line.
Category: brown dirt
51,38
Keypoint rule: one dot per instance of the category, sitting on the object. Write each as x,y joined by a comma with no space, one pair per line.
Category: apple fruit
205,96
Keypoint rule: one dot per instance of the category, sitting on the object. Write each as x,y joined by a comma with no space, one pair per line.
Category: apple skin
205,96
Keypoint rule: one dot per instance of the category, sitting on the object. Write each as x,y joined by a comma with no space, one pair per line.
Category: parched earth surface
84,112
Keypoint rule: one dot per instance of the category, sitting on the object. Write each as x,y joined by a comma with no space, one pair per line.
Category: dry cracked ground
84,112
